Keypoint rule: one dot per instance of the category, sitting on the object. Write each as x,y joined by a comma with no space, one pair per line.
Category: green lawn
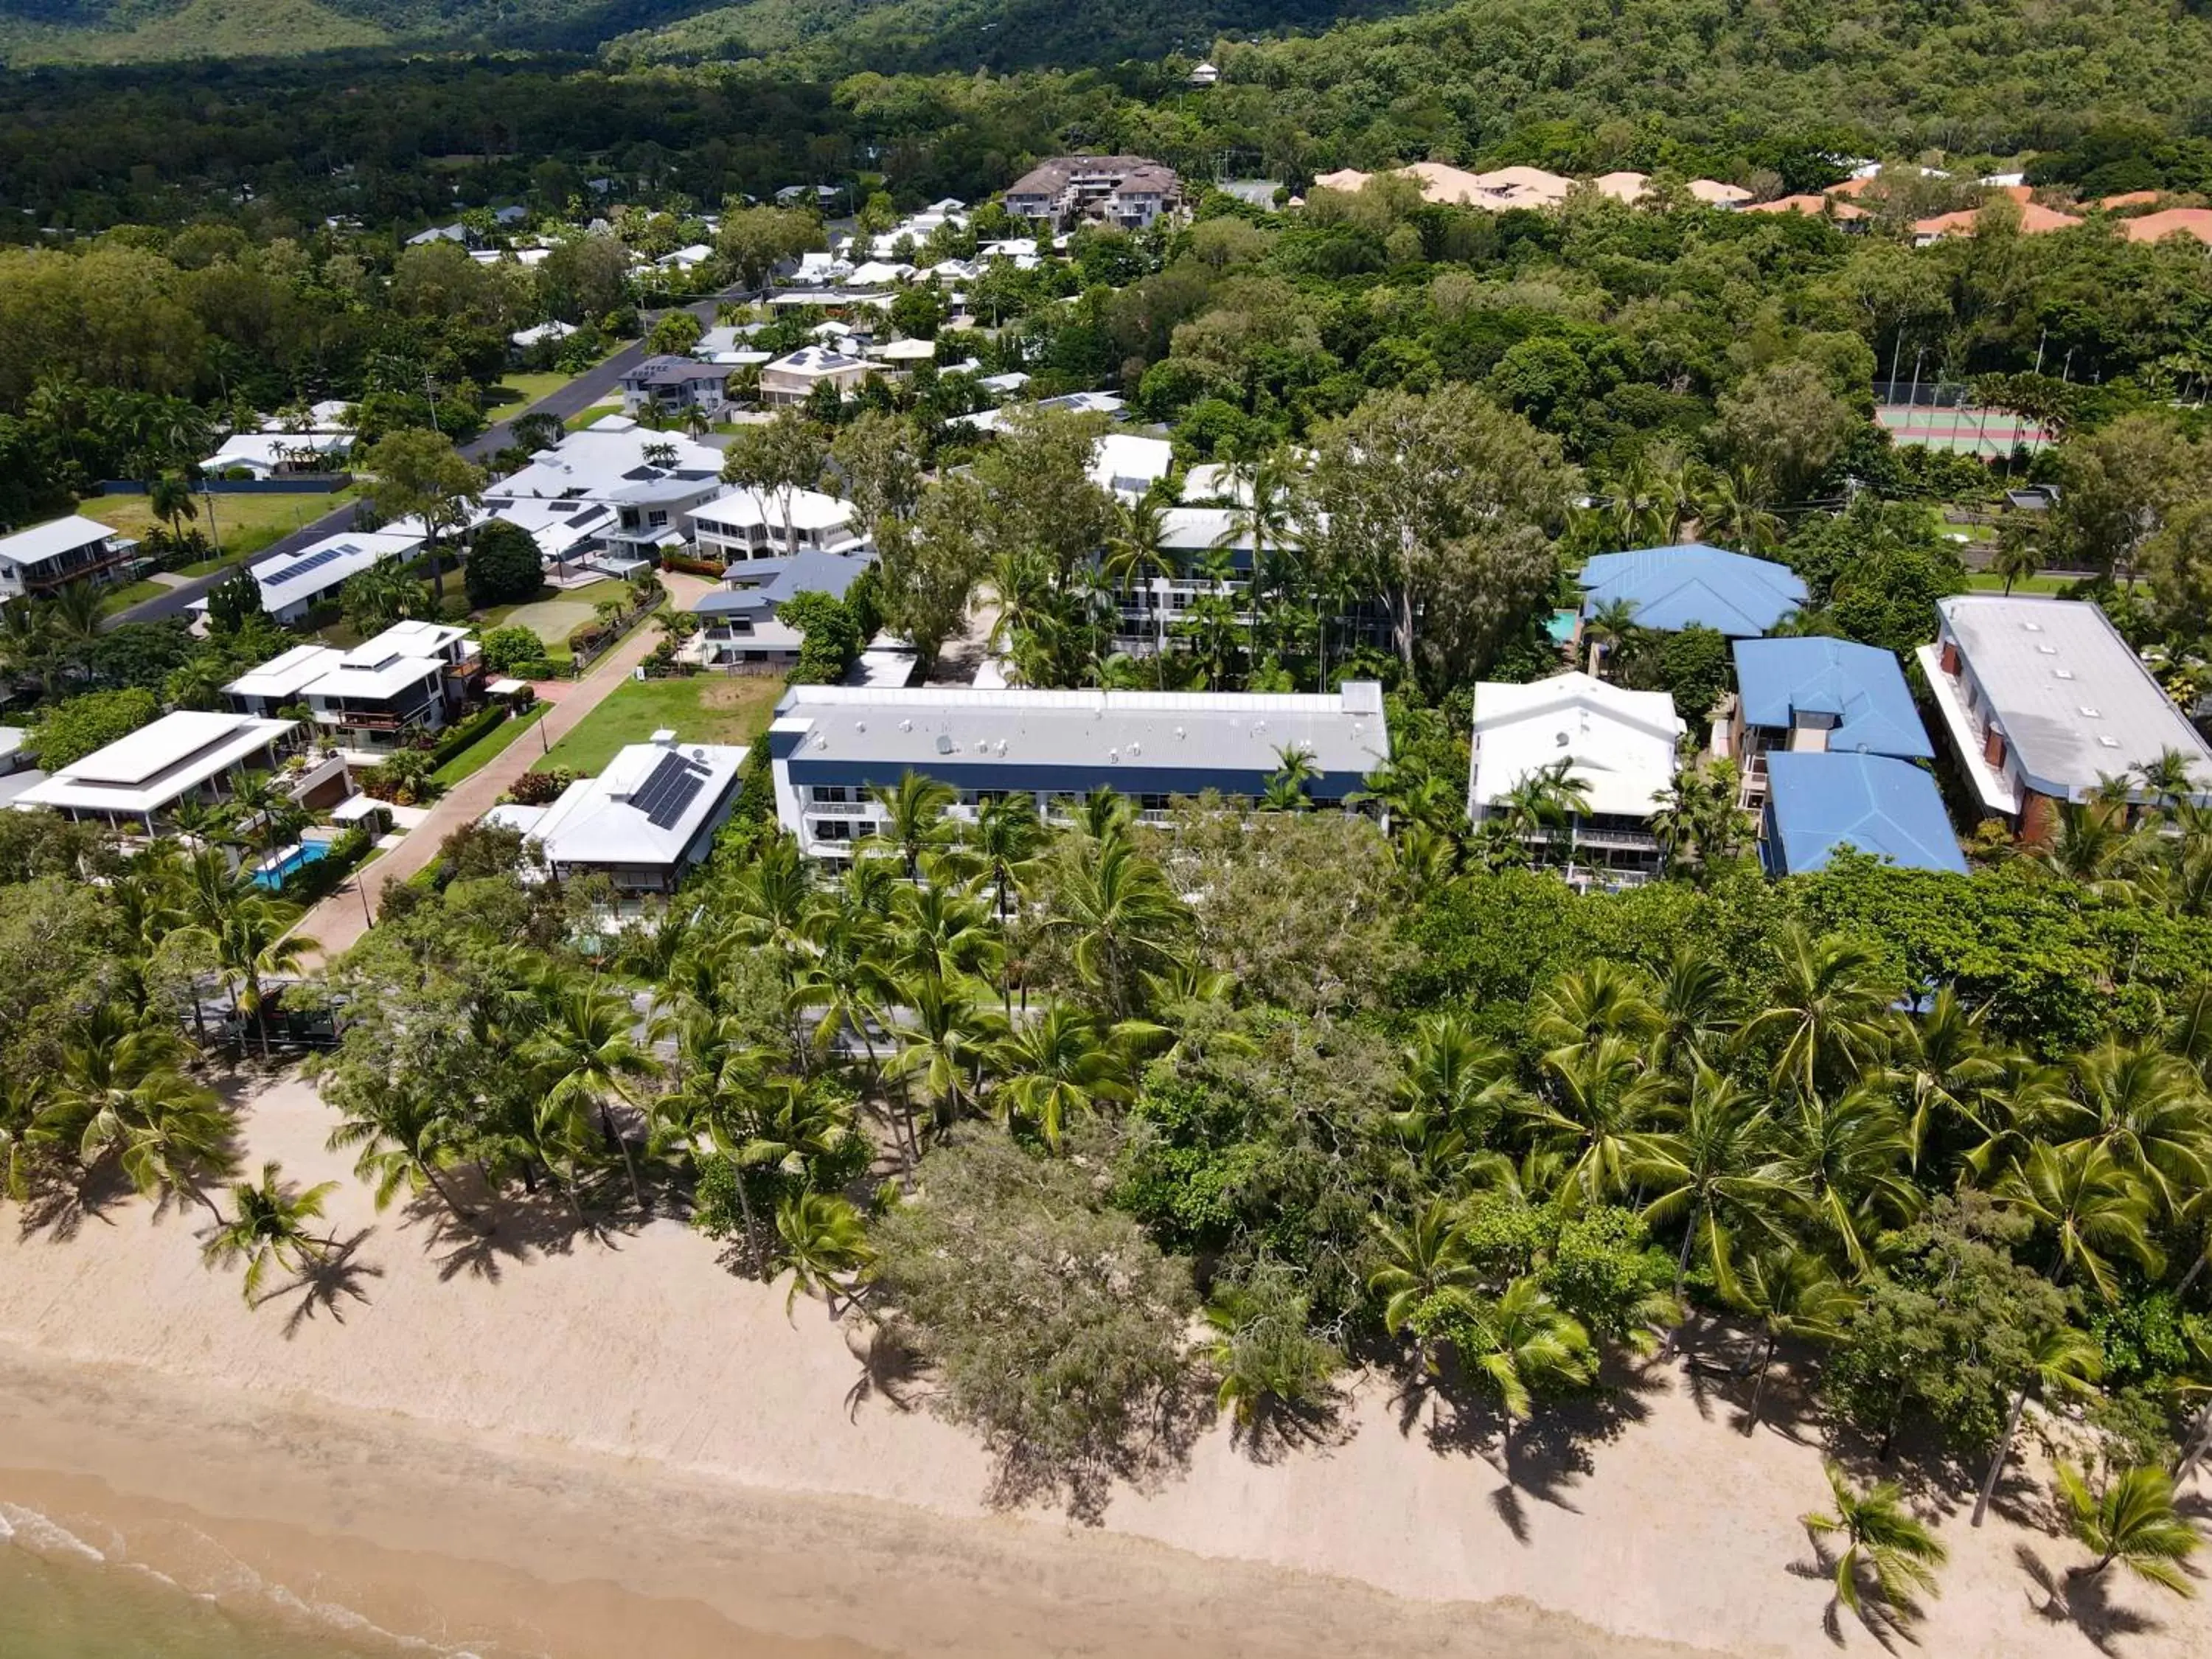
1983,581
247,524
555,613
584,417
705,708
481,753
122,598
517,392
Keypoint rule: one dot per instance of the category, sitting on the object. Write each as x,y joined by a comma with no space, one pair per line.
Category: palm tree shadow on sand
324,1286
2082,1601
501,1229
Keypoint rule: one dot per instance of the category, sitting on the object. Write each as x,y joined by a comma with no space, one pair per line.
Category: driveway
579,395
338,922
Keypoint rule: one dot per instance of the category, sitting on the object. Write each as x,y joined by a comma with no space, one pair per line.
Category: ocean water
60,1598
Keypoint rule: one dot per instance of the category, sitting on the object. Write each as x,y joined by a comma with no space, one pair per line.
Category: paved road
580,394
338,922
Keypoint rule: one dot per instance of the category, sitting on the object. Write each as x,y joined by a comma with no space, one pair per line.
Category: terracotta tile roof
1814,206
2184,222
2035,221
2129,198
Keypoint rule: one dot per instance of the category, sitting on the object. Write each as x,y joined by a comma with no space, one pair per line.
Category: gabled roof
1889,808
2172,221
652,801
1622,742
1813,206
1860,686
42,542
1693,586
775,581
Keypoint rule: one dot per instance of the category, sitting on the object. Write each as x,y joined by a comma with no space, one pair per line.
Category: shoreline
628,1420
387,1533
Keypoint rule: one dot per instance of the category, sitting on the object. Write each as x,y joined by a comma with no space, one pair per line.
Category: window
833,830
832,792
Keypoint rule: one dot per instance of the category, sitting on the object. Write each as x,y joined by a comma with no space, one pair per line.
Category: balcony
838,809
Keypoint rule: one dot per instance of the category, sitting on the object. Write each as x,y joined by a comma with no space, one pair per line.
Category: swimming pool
307,853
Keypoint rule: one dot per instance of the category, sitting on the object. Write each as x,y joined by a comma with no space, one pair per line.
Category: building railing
838,809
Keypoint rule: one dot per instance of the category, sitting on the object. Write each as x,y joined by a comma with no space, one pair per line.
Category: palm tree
2093,1207
2148,1109
1057,1066
1545,803
1718,1170
2133,1521
118,1093
1847,1157
1269,520
1002,849
1695,998
1449,1075
944,1043
2093,850
582,1053
824,1239
939,928
1734,513
1946,1067
21,1099
1608,629
169,498
913,819
2063,1361
251,938
1606,999
1136,557
1886,1545
1795,1296
402,1138
1601,1096
1124,918
2019,551
1427,1263
1829,1006
1295,770
1521,1342
268,1227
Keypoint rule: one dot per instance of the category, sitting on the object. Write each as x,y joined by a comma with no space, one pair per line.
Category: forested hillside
873,33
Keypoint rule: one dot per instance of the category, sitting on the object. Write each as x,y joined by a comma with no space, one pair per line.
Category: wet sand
567,1447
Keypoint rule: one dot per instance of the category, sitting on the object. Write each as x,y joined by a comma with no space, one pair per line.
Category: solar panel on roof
314,561
669,791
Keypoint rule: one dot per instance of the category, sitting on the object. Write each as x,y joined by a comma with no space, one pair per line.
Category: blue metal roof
1861,686
1891,808
775,581
1693,586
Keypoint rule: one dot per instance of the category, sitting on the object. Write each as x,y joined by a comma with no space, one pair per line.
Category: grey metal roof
2075,702
1196,732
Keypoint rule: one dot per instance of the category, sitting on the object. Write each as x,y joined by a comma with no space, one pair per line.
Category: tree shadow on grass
2084,1602
325,1285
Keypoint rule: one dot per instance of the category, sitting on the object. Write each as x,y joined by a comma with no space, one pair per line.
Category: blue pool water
1561,627
298,859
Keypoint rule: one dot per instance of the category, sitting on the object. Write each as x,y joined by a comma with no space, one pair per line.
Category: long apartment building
1126,191
2043,701
830,746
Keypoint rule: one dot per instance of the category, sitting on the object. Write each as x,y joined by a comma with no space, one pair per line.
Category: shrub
503,566
506,648
542,787
310,882
464,732
80,726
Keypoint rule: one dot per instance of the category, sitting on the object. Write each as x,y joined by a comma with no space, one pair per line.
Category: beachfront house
2042,702
1667,589
644,821
1611,750
48,558
134,783
411,680
1818,803
831,745
1815,695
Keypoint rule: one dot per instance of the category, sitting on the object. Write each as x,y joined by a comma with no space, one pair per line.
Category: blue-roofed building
739,624
1818,695
1693,586
1818,803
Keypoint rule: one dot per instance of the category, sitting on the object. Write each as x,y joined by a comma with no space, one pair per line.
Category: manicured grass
584,417
517,392
248,523
485,750
555,613
705,708
1983,581
122,598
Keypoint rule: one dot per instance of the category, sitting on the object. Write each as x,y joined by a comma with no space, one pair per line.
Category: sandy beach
567,1447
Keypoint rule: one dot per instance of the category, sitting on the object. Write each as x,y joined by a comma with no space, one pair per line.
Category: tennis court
1971,430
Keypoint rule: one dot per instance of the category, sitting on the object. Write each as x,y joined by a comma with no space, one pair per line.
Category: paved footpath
338,922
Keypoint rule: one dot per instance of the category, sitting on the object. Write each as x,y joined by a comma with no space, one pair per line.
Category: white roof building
154,767
48,555
565,531
331,414
263,454
283,679
2042,700
1129,464
905,352
291,585
876,272
747,524
792,379
1622,744
549,333
647,818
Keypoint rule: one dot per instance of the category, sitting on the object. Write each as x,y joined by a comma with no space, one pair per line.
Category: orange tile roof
2129,198
2035,221
1815,205
2174,222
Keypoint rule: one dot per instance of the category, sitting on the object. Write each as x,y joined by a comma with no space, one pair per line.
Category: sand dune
556,1445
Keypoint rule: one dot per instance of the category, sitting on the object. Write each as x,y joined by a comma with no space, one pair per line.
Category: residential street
339,922
580,394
